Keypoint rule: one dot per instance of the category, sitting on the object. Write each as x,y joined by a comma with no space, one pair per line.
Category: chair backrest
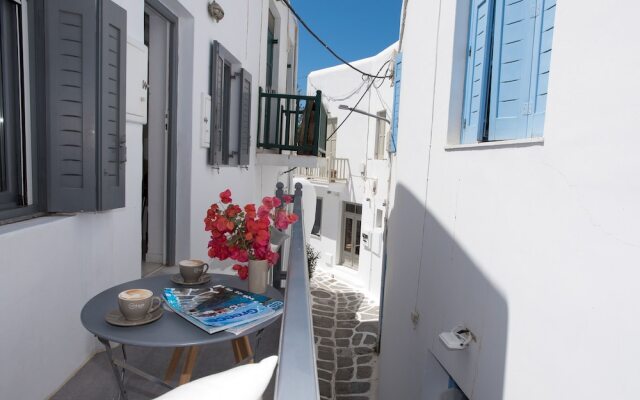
246,382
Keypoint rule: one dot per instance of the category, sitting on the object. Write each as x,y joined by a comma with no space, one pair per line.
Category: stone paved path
346,333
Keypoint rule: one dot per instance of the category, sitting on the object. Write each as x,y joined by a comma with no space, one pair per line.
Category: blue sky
355,29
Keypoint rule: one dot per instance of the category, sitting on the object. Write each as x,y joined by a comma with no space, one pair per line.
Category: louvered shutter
217,96
511,69
111,114
477,77
545,21
71,104
397,75
244,149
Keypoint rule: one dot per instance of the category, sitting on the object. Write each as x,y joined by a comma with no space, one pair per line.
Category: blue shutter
511,69
397,72
541,60
475,94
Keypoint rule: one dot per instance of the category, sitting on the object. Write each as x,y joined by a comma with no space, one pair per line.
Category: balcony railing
292,123
297,376
331,170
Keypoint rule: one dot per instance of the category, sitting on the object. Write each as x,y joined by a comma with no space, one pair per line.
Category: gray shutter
244,149
70,58
217,95
111,108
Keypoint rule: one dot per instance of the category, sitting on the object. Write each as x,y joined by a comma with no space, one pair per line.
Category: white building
153,189
352,186
530,242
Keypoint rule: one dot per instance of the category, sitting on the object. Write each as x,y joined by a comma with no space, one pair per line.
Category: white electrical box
366,239
205,121
137,81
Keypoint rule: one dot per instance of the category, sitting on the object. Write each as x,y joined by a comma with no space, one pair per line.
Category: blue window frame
397,75
508,58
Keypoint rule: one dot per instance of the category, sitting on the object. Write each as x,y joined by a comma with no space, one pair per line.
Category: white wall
533,247
69,259
243,32
355,142
53,266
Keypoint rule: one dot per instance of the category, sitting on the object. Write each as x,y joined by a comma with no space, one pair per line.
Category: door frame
356,217
171,139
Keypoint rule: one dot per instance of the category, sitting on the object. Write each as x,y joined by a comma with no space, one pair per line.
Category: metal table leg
107,346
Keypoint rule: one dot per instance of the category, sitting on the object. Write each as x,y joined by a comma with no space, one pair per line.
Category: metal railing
297,376
292,122
332,170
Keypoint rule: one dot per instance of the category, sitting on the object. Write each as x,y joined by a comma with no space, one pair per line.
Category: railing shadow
430,274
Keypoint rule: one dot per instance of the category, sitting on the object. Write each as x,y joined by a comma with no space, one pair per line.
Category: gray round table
171,330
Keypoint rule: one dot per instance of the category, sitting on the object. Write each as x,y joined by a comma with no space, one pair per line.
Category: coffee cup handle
154,307
206,268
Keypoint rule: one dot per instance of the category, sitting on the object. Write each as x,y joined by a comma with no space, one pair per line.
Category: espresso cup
135,304
192,270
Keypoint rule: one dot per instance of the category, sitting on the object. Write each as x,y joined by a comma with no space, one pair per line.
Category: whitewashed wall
53,265
356,141
67,260
243,31
534,247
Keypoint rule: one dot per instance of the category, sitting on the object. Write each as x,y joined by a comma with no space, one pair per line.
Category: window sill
29,221
538,141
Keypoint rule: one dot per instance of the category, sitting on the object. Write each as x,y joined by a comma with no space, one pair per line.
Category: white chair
246,382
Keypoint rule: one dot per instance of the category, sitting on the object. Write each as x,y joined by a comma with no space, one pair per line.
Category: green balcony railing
294,123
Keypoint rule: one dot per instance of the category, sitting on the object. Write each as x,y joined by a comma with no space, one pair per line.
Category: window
397,74
13,153
271,42
62,120
231,110
508,58
317,223
331,142
379,218
381,135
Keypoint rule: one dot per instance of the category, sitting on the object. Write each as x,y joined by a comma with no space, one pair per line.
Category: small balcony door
351,231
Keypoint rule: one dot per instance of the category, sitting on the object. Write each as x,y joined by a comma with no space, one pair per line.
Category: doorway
155,142
351,231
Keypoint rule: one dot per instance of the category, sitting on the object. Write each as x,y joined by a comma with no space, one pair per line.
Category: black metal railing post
277,268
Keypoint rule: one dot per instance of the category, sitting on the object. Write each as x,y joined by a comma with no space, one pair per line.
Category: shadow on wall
448,289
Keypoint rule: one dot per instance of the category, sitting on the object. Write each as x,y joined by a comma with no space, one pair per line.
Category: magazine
217,308
276,305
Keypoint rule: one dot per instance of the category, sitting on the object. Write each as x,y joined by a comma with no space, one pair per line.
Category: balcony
292,339
330,170
292,129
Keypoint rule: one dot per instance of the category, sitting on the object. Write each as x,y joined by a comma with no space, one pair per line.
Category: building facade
352,186
514,202
167,174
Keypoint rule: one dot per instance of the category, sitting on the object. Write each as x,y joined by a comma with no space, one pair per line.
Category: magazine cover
276,305
217,308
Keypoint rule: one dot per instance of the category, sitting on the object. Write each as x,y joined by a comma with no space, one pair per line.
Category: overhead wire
371,83
343,97
326,46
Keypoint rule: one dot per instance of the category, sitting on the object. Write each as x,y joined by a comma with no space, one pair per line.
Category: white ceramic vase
258,273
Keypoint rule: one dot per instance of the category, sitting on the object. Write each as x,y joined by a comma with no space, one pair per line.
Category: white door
155,133
351,231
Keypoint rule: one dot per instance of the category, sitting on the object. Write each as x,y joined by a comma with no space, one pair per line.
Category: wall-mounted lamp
355,110
215,11
457,339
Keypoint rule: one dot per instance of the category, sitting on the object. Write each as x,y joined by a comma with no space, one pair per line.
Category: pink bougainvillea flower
288,198
225,196
276,202
263,211
268,202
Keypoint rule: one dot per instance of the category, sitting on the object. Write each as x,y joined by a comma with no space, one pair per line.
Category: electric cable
343,97
326,46
373,80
